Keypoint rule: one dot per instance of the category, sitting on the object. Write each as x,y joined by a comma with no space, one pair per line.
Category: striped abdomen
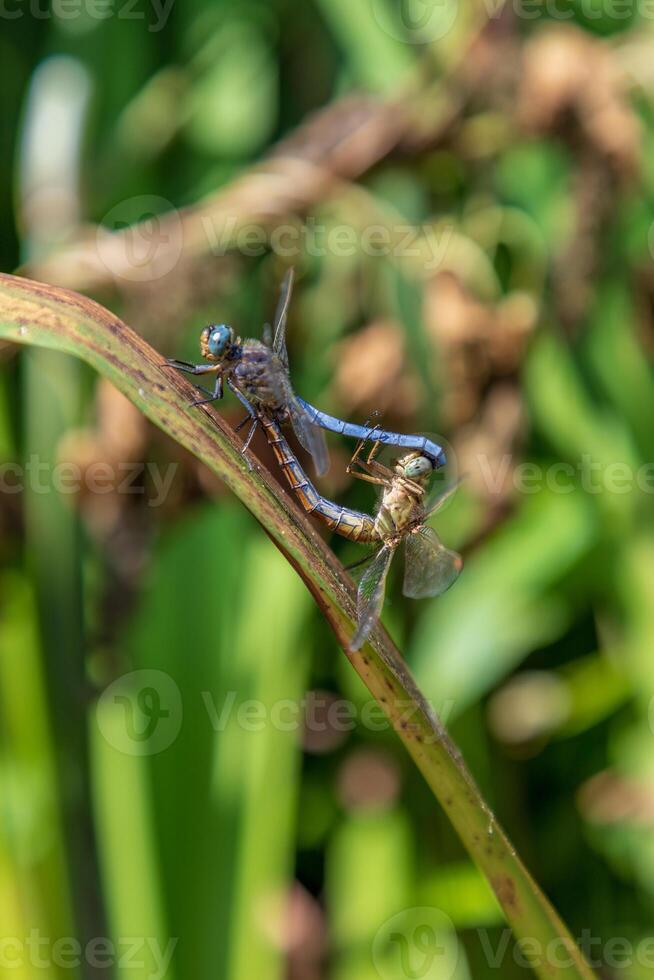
349,523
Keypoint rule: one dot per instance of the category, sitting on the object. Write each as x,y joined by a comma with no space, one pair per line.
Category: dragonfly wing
439,496
430,568
309,435
370,597
281,315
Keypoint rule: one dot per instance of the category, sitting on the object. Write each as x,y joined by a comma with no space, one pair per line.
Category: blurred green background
193,782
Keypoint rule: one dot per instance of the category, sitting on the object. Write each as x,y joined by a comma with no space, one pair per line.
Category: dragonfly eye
420,466
215,339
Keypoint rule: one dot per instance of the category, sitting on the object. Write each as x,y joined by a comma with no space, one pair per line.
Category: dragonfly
257,372
401,519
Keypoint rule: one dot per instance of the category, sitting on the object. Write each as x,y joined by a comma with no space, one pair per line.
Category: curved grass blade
34,313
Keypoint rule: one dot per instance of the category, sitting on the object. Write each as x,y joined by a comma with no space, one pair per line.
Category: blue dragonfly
257,372
402,517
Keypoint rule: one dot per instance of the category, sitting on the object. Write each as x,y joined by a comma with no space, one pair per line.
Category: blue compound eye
219,337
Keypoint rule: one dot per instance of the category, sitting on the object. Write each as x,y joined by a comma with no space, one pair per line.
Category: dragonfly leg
368,469
244,421
380,481
181,365
253,429
411,486
369,464
189,368
212,396
248,406
374,449
355,455
387,477
252,415
248,440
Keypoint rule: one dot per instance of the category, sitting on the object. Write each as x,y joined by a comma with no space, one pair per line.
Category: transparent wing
281,315
309,435
370,597
438,496
430,567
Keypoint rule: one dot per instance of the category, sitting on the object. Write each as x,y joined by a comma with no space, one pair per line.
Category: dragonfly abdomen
348,523
375,434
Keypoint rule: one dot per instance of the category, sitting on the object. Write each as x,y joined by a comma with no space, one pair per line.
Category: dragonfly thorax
260,376
401,509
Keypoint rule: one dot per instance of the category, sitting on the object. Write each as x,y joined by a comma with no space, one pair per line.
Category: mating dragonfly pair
257,372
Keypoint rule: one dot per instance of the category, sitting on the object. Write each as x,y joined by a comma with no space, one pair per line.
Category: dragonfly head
216,341
415,466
